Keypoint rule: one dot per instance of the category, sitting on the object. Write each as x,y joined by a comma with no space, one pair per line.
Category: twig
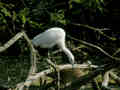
24,3
57,51
106,79
58,82
58,72
11,41
97,47
96,29
95,84
33,55
51,63
116,52
115,77
90,27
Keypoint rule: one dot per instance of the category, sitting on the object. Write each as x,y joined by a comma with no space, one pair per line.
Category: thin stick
97,47
11,41
96,29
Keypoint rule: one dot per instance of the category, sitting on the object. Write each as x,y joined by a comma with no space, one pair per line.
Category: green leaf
77,1
14,17
6,12
23,19
2,19
113,38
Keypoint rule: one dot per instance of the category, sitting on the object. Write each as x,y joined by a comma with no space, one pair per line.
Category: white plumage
51,37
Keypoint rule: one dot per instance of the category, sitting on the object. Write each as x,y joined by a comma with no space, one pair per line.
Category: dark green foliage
34,16
10,69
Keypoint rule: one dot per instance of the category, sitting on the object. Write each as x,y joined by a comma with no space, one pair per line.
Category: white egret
51,37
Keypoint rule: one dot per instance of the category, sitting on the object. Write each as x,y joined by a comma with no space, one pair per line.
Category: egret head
71,59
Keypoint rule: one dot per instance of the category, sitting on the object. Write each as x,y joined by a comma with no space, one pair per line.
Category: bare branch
36,76
105,79
11,42
90,76
115,77
33,52
96,29
97,47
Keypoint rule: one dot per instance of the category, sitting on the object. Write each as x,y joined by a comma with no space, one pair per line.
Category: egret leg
49,57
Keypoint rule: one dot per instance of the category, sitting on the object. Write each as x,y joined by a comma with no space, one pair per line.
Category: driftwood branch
106,79
82,80
11,41
33,52
37,76
90,76
33,55
115,77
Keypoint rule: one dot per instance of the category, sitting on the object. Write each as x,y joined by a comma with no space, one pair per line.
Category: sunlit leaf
6,12
77,1
14,16
23,19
